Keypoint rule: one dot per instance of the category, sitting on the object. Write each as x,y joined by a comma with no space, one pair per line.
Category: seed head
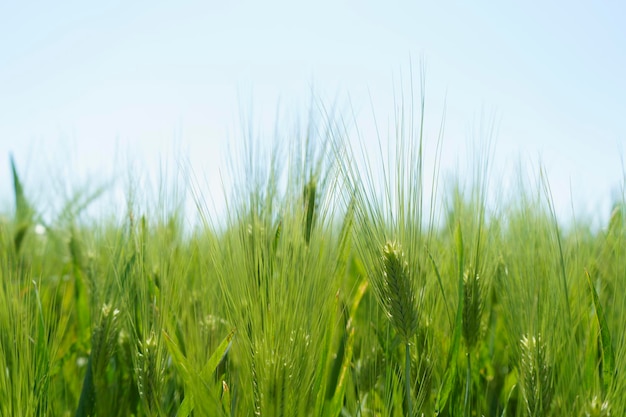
397,291
536,375
472,307
598,408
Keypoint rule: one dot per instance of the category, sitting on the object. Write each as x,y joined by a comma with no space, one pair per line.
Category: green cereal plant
387,189
328,289
473,302
397,292
399,300
472,307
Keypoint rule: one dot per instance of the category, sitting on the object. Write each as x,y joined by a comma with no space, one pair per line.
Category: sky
88,90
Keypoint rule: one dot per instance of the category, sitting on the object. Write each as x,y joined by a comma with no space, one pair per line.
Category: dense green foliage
318,295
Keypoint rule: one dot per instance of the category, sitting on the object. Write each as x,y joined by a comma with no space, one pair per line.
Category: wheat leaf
608,355
451,371
217,356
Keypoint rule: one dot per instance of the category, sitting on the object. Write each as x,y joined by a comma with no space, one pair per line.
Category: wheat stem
407,378
468,377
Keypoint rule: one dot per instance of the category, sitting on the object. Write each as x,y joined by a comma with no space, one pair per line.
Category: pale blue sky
79,81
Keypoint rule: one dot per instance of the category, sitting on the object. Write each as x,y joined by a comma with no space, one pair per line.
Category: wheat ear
472,308
398,292
536,375
399,301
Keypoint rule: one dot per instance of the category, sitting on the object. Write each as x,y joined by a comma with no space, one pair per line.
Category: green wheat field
328,289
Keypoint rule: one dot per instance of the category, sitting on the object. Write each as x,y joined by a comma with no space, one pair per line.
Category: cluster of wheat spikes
331,287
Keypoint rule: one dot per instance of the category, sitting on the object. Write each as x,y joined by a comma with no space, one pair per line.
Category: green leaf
309,199
190,378
608,356
217,356
18,238
23,211
186,407
440,282
182,365
450,375
180,362
87,401
338,398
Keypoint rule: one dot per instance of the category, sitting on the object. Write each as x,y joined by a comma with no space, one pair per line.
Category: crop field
326,290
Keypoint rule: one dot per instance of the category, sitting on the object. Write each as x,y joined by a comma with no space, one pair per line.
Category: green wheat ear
598,408
149,372
397,291
472,307
536,375
102,349
310,191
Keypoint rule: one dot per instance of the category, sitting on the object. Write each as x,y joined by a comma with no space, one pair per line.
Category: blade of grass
338,398
193,381
219,353
451,367
440,282
607,366
23,209
87,401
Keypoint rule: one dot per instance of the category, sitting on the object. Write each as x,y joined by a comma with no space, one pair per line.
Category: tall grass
327,290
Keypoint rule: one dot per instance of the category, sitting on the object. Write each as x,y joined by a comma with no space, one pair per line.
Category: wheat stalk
398,297
472,315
